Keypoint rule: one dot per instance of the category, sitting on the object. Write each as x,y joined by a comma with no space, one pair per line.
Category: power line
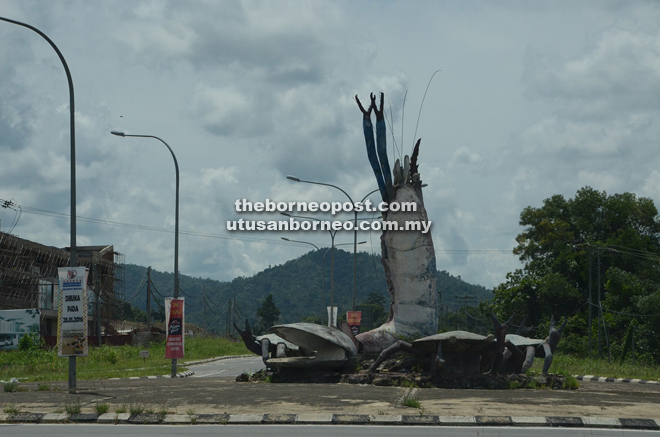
44,212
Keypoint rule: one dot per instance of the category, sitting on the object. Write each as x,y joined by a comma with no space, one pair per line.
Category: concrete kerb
334,419
178,375
592,378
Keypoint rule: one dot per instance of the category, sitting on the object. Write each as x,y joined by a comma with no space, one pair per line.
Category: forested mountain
300,288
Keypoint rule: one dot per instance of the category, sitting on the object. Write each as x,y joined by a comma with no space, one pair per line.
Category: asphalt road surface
228,367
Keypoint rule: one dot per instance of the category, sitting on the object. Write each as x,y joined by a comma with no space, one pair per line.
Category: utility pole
590,301
205,327
465,299
227,320
600,313
149,299
97,310
231,315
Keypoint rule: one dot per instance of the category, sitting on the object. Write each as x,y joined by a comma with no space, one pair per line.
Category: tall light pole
322,272
323,311
355,228
73,259
176,221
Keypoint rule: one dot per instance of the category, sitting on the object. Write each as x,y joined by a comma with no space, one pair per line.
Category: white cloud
533,99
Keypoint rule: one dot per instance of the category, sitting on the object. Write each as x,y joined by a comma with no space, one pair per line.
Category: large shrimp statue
408,256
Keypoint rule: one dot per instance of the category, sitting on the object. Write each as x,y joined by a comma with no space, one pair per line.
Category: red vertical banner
174,344
354,319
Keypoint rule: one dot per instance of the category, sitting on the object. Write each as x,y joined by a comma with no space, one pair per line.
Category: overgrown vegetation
73,406
593,256
36,364
571,365
410,400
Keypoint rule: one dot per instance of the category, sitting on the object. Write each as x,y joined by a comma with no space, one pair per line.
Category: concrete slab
213,418
314,419
350,419
113,418
386,419
457,420
494,420
178,419
279,418
528,421
638,423
419,420
84,418
245,418
54,417
564,421
602,422
25,417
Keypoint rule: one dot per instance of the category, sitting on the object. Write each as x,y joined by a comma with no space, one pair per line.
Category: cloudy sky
533,99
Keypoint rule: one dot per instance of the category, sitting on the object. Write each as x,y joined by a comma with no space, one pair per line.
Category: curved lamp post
73,258
355,230
176,221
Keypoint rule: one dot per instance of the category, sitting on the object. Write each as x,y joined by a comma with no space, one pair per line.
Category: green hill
300,288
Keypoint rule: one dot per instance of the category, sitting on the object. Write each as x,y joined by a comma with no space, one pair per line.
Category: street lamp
176,222
355,229
73,259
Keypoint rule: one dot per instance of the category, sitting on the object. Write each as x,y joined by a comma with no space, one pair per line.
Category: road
228,367
305,430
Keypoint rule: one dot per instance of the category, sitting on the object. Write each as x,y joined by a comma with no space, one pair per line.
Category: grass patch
44,387
568,365
136,409
532,383
571,383
11,409
101,408
104,362
411,400
121,409
73,406
11,387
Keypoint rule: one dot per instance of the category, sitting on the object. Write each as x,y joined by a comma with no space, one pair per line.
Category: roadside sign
174,347
72,312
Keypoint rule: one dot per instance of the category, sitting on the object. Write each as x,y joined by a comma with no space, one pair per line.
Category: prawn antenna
390,121
403,112
422,104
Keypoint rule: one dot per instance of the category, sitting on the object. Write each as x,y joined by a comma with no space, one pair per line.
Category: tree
564,240
268,313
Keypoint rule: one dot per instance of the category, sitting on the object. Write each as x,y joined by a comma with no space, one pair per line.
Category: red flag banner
174,344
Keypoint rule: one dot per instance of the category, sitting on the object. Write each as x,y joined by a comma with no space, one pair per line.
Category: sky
532,99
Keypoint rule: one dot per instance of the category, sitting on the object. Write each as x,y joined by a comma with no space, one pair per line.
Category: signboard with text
174,347
354,318
72,312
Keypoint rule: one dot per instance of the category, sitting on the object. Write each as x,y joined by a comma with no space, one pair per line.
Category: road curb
337,419
592,378
178,375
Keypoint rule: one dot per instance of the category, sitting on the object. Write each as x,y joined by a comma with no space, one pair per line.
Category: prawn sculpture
408,256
